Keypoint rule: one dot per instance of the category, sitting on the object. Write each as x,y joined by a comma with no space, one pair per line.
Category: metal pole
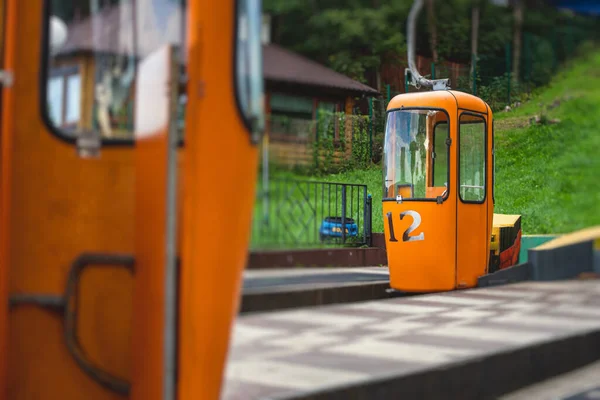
368,228
343,213
388,94
508,74
554,52
265,177
474,74
527,53
371,128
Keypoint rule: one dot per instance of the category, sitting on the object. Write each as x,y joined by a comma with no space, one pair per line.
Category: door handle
67,304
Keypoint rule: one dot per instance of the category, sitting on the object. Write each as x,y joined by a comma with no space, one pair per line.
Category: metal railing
306,214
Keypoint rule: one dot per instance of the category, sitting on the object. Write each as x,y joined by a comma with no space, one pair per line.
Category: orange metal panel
467,101
216,213
490,193
440,99
421,265
55,206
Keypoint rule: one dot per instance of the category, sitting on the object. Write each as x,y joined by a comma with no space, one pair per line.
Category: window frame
449,121
234,74
481,116
64,136
61,134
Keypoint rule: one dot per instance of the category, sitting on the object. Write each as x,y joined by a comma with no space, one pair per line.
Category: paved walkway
292,353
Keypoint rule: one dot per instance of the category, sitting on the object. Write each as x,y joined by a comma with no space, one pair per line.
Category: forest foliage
355,37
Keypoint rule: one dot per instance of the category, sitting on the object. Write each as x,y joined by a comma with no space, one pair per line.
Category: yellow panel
501,220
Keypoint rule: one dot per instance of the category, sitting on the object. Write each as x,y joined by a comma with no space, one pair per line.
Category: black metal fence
306,214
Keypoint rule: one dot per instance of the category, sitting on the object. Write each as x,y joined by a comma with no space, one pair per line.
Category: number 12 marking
415,224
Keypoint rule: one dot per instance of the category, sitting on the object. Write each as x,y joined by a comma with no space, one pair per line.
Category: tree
356,37
474,41
432,30
352,37
518,11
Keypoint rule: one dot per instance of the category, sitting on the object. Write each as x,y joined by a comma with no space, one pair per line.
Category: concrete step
580,384
276,289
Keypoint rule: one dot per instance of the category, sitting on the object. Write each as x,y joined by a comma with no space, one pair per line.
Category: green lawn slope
550,173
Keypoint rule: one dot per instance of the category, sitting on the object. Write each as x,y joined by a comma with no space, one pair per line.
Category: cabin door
66,228
472,212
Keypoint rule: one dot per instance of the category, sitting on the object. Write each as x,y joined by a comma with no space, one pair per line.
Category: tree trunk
517,30
378,78
474,41
277,23
432,30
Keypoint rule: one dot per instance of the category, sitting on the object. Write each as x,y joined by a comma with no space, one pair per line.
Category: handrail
67,304
70,317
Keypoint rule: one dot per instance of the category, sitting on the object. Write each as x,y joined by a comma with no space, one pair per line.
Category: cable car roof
444,99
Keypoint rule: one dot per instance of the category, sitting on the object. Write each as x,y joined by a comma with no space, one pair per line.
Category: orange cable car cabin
438,190
116,290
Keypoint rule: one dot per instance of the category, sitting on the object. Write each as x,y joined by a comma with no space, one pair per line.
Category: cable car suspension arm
416,79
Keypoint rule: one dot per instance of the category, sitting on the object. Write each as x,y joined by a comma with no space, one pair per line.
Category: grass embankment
548,173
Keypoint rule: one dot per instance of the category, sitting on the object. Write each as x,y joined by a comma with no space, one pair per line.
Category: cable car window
472,160
412,153
248,71
440,154
103,40
107,38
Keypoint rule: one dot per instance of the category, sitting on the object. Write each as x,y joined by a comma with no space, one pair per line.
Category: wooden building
299,92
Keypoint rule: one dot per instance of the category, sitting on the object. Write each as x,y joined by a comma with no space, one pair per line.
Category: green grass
548,173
